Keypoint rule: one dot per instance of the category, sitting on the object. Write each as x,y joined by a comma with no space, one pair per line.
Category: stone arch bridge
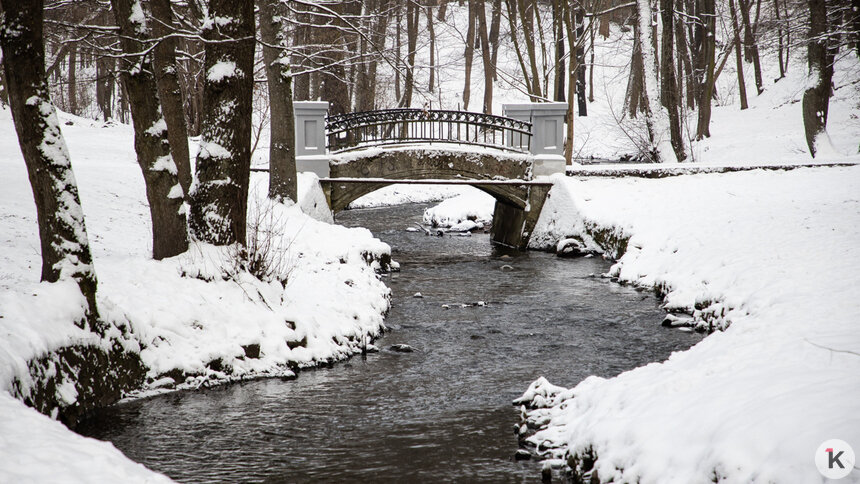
507,156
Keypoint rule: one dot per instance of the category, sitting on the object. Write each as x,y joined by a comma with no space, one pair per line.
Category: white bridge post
547,143
310,137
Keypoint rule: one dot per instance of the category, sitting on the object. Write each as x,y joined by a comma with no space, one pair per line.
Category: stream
440,413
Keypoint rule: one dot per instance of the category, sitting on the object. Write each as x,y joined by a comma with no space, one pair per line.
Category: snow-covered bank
196,318
469,210
770,256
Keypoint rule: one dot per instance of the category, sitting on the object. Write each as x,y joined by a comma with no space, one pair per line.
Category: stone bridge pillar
547,144
310,137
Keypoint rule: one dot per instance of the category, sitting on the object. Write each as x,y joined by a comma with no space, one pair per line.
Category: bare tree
669,88
816,99
469,54
486,56
742,87
62,232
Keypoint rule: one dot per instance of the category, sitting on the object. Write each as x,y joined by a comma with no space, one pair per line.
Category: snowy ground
194,317
769,255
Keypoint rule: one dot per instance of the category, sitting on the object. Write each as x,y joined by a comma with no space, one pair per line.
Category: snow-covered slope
773,256
194,318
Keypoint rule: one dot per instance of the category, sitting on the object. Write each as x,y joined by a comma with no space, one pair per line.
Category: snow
473,206
771,256
195,313
37,449
221,70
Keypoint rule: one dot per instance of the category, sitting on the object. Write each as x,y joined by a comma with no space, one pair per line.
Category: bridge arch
429,164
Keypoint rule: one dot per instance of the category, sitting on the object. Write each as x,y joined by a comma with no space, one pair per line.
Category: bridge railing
350,131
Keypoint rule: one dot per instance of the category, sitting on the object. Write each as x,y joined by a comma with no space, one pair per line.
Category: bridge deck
439,182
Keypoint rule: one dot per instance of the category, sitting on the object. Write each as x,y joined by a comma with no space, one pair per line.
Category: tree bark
469,54
567,13
512,19
62,232
486,56
72,95
669,87
167,79
656,121
527,18
558,32
412,16
282,137
706,93
495,24
582,105
219,199
742,87
151,136
816,99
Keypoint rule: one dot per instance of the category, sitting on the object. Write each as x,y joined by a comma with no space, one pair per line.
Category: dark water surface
442,413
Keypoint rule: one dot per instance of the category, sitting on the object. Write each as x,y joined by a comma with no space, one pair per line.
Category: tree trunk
686,61
750,44
398,44
412,16
219,200
489,67
567,14
780,46
669,88
282,137
816,99
742,87
633,97
301,38
72,96
151,136
495,24
558,32
62,232
512,20
469,54
591,62
167,78
582,105
656,121
706,93
431,85
527,17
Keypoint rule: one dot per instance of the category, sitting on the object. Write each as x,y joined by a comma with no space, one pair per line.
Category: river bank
767,258
195,320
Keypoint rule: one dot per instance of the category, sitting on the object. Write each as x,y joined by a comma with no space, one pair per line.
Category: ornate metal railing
351,131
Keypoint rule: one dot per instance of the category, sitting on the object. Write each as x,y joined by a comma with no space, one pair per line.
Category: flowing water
440,413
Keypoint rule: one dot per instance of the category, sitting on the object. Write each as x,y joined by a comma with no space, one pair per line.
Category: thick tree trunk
486,56
816,99
567,13
219,199
669,89
633,96
742,86
62,232
706,93
282,140
151,142
469,54
167,78
686,61
398,47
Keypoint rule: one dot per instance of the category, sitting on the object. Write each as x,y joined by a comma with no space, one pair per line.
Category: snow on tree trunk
669,86
282,144
163,191
62,232
167,78
816,98
219,195
656,118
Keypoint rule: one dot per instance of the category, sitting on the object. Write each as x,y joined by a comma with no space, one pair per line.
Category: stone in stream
401,348
674,321
522,454
570,248
418,294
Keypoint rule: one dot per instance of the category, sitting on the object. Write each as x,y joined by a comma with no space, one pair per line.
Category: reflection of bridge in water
357,153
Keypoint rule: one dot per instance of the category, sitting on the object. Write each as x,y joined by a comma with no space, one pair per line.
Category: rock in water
402,348
570,248
418,295
522,454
